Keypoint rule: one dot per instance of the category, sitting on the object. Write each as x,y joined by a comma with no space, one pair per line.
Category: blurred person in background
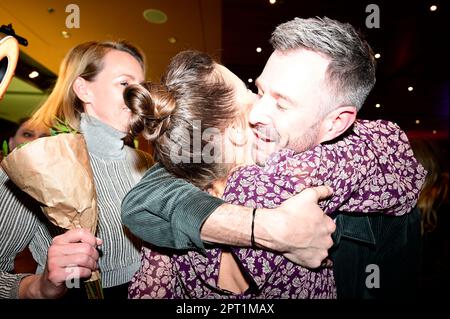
27,131
433,205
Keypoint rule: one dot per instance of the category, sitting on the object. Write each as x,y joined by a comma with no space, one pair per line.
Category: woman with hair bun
197,97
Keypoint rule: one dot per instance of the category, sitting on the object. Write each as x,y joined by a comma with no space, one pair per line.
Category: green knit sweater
167,211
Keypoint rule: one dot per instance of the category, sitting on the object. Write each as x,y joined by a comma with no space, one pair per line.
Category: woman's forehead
118,63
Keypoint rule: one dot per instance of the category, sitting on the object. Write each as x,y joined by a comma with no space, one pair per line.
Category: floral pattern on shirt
371,170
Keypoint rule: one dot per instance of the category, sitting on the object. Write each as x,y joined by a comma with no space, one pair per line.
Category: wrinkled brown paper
56,172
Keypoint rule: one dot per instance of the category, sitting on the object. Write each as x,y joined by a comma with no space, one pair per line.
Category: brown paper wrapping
56,172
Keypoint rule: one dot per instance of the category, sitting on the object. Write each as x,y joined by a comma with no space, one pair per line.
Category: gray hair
351,72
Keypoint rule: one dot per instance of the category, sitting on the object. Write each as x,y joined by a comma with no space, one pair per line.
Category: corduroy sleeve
167,211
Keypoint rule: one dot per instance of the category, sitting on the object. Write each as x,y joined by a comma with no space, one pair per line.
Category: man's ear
81,90
337,122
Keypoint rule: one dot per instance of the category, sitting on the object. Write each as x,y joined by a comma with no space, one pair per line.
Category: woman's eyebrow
127,75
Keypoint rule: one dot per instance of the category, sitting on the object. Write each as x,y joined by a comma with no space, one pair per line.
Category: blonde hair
86,61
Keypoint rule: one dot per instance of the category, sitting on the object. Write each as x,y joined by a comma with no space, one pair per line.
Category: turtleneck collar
102,140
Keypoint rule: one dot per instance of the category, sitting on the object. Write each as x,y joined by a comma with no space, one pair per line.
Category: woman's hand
71,256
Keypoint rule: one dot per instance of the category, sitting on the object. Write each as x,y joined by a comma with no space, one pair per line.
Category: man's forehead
299,61
293,71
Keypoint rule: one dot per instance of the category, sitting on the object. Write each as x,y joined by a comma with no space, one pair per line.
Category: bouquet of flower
56,172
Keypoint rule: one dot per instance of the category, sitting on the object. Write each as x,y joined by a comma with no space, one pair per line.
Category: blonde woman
88,95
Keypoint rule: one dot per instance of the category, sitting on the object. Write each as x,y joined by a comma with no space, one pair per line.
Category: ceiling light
33,75
377,56
172,40
417,121
258,49
155,16
250,80
434,131
377,105
433,8
410,88
65,34
272,1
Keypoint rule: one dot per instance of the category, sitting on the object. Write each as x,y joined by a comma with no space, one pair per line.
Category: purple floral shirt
371,170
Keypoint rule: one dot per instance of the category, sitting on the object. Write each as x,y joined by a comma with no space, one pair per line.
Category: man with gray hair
310,91
321,66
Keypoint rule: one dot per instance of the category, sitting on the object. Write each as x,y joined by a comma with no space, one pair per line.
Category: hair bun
151,106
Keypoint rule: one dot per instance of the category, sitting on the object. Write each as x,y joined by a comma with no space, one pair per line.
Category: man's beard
307,140
261,151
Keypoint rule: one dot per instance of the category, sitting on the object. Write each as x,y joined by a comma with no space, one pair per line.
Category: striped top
117,168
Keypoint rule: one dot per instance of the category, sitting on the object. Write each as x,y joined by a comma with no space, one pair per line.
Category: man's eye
280,107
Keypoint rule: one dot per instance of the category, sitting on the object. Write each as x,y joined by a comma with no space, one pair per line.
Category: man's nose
260,112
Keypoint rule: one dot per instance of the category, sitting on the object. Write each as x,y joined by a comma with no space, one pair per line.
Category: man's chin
258,158
260,153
